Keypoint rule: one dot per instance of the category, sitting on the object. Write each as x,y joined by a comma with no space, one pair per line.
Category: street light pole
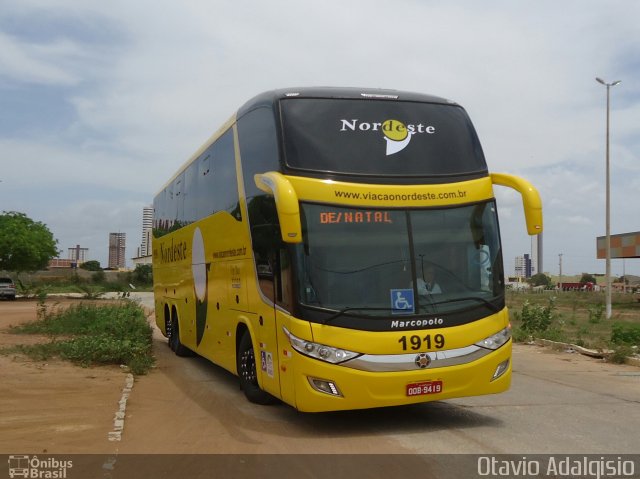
608,207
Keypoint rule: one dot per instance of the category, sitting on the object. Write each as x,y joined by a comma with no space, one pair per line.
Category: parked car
7,288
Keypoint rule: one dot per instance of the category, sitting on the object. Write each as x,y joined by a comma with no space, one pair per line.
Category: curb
593,353
118,420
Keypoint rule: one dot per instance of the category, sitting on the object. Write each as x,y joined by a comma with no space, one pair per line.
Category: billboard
626,245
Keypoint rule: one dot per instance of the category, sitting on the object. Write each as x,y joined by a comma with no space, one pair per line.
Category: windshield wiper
480,299
351,308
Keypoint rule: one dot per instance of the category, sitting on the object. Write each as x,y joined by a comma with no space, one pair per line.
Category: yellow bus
339,249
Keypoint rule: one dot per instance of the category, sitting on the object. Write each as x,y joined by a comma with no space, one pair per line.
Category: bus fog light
325,386
501,369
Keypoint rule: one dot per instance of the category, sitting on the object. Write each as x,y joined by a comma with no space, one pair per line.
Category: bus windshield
399,262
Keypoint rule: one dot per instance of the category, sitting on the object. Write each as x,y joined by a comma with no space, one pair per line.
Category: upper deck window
379,137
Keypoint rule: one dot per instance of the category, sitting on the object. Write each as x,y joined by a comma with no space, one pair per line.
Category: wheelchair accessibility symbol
402,301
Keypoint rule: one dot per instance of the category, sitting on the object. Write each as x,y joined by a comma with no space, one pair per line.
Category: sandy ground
52,406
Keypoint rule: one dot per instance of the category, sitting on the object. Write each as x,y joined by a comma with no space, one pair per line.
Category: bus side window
225,183
159,214
178,192
284,285
265,243
191,194
171,210
204,185
273,266
266,281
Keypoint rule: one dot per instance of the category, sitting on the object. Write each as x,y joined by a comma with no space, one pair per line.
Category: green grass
115,333
577,318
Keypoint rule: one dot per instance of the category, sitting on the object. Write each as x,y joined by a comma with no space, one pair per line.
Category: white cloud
49,163
578,220
37,63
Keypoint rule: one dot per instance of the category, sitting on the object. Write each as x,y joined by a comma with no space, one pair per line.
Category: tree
540,279
25,245
143,274
587,278
92,265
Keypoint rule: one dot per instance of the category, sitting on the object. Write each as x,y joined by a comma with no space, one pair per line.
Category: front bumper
370,385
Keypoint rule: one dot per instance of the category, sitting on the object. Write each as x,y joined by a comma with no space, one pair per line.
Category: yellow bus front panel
385,373
363,389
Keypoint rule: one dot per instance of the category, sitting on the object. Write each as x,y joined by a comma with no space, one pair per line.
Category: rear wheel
248,373
174,340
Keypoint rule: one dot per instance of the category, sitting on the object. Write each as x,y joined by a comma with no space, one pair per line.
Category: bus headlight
319,351
496,340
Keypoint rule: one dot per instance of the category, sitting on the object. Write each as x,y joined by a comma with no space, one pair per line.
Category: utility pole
608,206
539,258
560,281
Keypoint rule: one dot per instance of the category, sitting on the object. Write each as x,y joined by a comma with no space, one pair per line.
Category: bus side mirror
286,204
530,199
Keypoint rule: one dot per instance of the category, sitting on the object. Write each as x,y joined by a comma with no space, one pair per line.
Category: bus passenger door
268,258
274,371
284,300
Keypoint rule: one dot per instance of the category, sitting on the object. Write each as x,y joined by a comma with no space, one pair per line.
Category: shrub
625,333
106,334
535,318
620,354
596,313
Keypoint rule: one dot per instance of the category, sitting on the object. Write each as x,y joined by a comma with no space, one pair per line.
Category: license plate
423,388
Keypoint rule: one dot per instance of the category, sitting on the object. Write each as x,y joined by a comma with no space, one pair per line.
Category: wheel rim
248,366
173,335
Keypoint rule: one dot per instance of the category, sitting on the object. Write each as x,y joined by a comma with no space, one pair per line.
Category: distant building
143,255
57,263
537,254
147,225
78,255
523,267
142,260
117,243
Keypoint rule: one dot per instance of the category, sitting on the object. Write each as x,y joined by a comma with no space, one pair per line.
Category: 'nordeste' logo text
173,252
396,134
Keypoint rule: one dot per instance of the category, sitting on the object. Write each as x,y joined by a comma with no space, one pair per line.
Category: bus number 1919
416,342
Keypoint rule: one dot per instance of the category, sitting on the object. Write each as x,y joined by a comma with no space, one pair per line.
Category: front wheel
247,373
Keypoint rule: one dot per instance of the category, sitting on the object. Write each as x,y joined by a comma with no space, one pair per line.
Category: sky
101,102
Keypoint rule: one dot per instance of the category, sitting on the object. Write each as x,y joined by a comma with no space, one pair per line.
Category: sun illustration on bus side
397,136
200,272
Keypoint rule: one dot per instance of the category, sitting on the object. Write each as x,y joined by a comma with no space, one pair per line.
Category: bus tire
247,373
174,340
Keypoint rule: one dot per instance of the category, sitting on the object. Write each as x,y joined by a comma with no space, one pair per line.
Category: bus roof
268,98
271,97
